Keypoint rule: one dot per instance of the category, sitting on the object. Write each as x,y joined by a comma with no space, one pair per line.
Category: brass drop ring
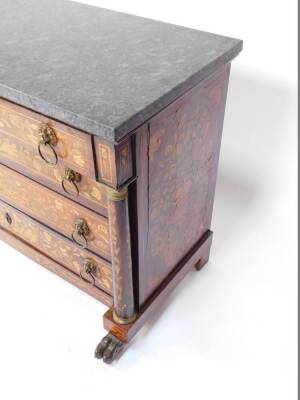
81,240
48,161
81,231
92,282
88,269
73,178
47,137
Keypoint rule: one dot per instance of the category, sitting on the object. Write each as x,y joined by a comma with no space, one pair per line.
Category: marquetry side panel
53,209
53,245
114,162
177,161
74,148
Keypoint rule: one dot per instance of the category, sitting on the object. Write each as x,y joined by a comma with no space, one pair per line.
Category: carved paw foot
109,348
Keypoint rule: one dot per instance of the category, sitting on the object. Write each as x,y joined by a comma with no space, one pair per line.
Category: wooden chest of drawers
108,159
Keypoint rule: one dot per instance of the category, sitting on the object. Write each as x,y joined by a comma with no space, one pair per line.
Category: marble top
98,70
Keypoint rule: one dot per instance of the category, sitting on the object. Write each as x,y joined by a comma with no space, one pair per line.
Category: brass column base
123,321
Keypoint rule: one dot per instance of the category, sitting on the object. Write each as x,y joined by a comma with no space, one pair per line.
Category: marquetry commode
110,131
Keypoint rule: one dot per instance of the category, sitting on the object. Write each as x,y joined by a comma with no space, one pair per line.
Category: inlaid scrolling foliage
124,162
55,267
173,177
183,153
49,243
106,165
122,263
23,155
73,147
52,209
116,251
114,162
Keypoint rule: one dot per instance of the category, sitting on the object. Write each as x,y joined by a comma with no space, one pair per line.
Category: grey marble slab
98,70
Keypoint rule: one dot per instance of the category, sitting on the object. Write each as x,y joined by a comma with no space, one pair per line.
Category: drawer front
73,148
24,158
54,210
54,246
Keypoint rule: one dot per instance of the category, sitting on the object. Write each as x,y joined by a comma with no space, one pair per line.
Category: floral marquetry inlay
54,246
73,147
182,157
114,162
24,156
53,209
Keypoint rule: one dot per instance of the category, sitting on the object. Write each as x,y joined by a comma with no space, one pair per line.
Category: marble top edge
178,91
88,78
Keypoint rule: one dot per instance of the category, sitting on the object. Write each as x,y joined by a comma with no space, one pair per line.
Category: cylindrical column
124,312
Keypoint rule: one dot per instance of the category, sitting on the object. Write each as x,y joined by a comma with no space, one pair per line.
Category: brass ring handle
87,270
73,178
47,138
81,231
82,242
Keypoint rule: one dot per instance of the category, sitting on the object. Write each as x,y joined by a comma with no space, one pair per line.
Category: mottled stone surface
98,70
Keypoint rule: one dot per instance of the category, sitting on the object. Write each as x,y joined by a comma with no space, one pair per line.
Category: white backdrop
228,332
